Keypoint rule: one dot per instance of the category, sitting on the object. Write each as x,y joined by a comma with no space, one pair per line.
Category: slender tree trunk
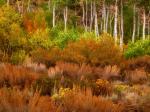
18,6
144,24
96,22
91,18
65,17
104,16
134,24
115,22
8,2
54,13
122,28
107,19
28,8
49,5
86,17
83,16
138,26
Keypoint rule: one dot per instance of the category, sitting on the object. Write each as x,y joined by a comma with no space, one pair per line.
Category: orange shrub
135,63
84,101
102,87
32,21
100,52
14,100
16,76
136,76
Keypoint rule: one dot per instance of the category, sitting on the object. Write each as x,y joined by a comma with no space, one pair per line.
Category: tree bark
28,7
65,17
115,22
138,26
122,27
107,18
49,3
83,16
134,24
86,17
96,22
104,16
91,18
8,2
144,24
54,13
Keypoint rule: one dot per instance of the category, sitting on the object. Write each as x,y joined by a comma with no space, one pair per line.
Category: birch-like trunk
96,22
107,18
8,2
18,6
65,18
104,17
54,14
134,24
91,18
138,26
86,16
122,27
83,16
28,7
144,24
115,22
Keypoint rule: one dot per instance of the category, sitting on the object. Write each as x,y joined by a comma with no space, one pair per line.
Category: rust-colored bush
136,76
16,76
102,87
111,72
135,63
14,100
84,101
100,52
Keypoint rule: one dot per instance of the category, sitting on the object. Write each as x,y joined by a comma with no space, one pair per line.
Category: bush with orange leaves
16,76
136,76
32,21
14,100
135,63
100,52
102,87
84,101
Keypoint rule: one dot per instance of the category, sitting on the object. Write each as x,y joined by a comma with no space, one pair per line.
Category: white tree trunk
115,22
18,6
122,28
144,24
134,24
107,18
65,17
83,17
96,22
86,17
104,17
28,8
54,14
91,18
8,3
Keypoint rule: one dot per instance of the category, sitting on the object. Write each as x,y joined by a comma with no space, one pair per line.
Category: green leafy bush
139,48
18,57
64,37
40,38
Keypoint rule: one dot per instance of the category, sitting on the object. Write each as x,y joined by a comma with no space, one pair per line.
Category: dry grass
14,100
16,76
84,101
136,76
